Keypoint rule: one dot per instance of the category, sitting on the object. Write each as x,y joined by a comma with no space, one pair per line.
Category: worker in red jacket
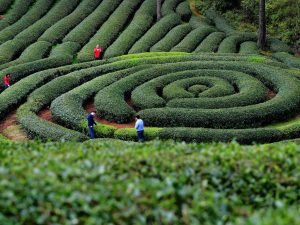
6,80
97,52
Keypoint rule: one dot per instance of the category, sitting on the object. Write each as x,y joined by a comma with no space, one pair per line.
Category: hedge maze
190,78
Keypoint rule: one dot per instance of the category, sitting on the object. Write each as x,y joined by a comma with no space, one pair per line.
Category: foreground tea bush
112,182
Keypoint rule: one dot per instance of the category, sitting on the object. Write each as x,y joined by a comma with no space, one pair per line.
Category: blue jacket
91,121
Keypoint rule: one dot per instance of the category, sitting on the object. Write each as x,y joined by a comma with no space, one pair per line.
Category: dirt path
46,114
9,128
90,107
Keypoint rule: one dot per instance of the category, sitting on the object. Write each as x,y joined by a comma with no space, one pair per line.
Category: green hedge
110,30
58,31
245,136
249,47
219,21
14,47
89,26
33,14
287,58
140,23
278,46
284,104
68,108
199,21
169,6
155,33
129,134
20,71
172,38
250,91
211,42
36,51
4,5
153,183
20,90
232,43
67,49
17,10
193,39
183,9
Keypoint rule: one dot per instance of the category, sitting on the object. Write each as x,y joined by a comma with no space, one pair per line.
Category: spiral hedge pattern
190,97
179,73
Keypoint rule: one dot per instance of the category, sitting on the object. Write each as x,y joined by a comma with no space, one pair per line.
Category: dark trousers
140,136
92,132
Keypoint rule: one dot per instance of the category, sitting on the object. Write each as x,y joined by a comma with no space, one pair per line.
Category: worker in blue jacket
139,126
91,123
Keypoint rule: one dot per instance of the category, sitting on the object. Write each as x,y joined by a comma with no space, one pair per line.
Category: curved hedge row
140,23
110,30
221,84
4,5
89,26
219,21
18,9
192,40
287,58
58,31
33,14
155,33
169,6
211,42
172,38
13,47
232,43
249,47
183,9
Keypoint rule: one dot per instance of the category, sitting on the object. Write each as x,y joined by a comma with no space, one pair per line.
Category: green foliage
33,14
18,9
287,59
183,9
89,26
4,5
141,22
232,43
172,38
169,6
111,182
110,29
155,33
58,31
249,47
11,48
193,39
211,42
129,134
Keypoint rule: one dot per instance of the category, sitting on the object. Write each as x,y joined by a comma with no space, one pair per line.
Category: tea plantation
191,77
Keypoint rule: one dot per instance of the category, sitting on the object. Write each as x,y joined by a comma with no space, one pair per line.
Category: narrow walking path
9,128
90,107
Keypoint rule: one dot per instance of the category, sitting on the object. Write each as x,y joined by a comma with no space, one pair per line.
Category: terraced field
190,78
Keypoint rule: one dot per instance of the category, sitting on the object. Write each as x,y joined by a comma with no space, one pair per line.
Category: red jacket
97,52
6,80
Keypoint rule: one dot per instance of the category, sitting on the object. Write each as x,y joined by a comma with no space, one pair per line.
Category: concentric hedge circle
190,97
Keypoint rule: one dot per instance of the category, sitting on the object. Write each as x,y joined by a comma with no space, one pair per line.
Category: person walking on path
97,52
91,123
6,80
139,126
